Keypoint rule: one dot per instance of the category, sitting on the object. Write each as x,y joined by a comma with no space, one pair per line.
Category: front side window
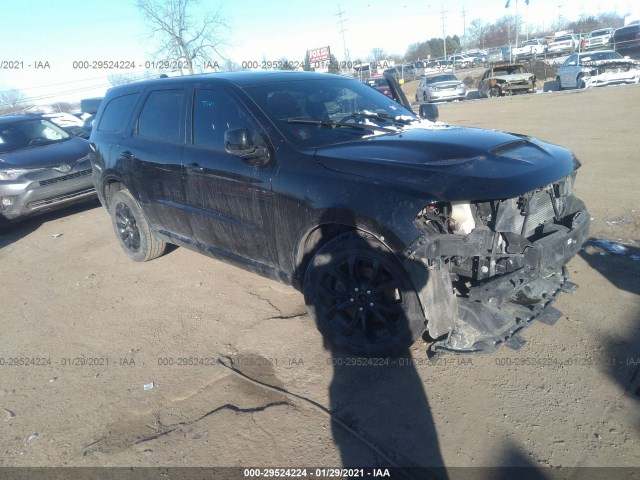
215,112
161,115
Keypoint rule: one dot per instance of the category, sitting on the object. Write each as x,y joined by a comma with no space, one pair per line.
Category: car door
229,196
569,71
151,159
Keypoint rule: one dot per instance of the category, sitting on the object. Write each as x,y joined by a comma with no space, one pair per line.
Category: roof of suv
238,78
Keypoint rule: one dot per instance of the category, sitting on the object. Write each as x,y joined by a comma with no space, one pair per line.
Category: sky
50,43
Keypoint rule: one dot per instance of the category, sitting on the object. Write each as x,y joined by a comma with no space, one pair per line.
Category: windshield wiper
333,123
383,117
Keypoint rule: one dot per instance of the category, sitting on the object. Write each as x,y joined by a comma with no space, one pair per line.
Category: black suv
390,224
626,39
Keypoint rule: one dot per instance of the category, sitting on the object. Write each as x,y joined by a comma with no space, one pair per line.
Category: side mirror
237,141
429,111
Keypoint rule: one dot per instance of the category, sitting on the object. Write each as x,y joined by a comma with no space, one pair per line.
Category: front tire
494,92
132,228
580,83
558,84
361,297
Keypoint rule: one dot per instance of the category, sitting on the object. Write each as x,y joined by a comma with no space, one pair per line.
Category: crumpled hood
489,164
45,156
445,84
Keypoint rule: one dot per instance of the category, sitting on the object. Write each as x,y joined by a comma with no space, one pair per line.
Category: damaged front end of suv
505,259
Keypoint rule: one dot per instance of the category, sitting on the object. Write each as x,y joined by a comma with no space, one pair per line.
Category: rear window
116,113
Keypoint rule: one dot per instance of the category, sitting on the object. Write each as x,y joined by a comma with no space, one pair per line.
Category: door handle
127,155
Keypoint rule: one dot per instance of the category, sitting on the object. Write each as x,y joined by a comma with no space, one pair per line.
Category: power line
72,91
344,41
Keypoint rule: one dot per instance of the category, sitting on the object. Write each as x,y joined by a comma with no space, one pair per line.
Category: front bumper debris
496,308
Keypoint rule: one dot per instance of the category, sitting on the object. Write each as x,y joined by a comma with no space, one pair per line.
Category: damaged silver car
597,69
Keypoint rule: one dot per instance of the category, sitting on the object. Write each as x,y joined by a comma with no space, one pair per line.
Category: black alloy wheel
362,298
132,228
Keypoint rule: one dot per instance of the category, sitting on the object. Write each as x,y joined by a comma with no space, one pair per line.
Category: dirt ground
100,327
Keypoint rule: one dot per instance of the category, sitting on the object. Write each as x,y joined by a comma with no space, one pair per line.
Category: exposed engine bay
505,261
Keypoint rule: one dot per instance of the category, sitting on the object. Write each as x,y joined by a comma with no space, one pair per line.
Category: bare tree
124,78
377,54
12,101
184,38
418,51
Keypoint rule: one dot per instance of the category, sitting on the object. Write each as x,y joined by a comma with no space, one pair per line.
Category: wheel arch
111,187
322,233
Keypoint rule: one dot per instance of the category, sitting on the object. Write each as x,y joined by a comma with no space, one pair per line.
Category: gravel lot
103,327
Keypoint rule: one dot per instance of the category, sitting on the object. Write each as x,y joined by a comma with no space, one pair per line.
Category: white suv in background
529,48
563,44
600,38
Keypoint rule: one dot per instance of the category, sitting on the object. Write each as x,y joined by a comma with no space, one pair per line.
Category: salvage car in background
626,39
605,67
506,79
66,121
600,38
41,167
441,87
390,224
498,55
529,49
381,84
563,44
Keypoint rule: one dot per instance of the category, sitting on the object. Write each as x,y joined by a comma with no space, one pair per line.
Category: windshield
442,78
564,38
599,33
29,133
600,56
318,112
509,70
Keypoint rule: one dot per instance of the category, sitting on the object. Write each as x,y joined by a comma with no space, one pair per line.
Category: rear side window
161,115
117,113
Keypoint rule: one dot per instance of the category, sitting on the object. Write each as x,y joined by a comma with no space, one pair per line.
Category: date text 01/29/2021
327,472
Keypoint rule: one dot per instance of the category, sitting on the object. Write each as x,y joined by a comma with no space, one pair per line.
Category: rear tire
132,228
362,298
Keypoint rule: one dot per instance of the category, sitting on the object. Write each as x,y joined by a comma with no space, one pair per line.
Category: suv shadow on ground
622,269
380,414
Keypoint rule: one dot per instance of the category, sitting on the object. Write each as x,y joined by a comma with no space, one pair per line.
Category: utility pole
464,27
444,37
344,42
517,27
